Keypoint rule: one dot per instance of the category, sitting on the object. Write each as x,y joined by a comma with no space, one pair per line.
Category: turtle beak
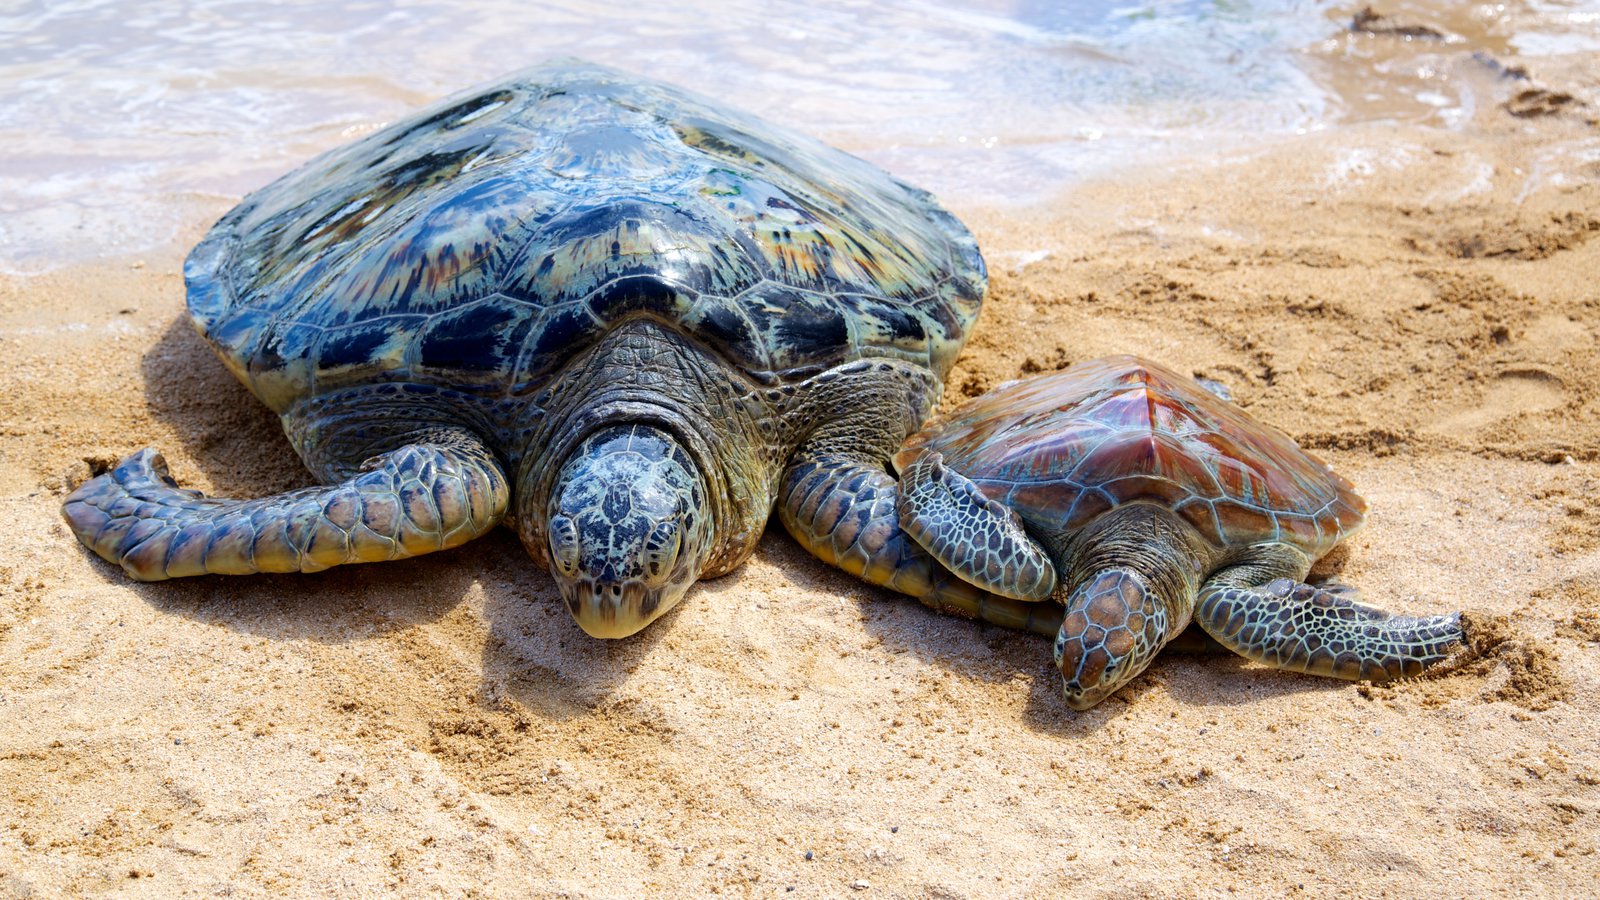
615,610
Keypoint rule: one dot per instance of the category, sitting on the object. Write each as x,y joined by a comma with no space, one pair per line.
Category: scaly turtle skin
621,317
1140,502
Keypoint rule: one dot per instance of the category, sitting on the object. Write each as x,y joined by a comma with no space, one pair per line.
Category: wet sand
1418,306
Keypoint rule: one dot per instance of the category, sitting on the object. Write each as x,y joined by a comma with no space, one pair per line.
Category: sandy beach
1420,307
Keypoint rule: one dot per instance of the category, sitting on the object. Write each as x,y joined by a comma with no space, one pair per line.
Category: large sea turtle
1136,501
624,318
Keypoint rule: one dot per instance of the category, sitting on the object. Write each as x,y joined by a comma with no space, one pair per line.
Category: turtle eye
660,552
564,545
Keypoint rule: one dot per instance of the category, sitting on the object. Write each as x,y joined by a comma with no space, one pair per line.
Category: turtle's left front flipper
421,497
1290,625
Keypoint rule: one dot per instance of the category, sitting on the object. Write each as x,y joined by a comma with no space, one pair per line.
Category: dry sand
1418,306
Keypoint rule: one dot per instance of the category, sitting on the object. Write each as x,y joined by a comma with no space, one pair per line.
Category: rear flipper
417,499
843,510
1329,632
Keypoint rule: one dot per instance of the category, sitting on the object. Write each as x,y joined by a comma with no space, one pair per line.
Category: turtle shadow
532,650
342,605
1220,679
535,653
968,649
228,434
1195,676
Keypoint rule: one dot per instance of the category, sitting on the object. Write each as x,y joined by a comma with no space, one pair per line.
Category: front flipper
843,510
1303,628
973,536
417,499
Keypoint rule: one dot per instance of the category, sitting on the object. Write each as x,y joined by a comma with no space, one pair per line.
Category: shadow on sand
1201,676
230,436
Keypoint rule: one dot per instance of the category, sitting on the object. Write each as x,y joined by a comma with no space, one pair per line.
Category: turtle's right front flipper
416,499
843,510
970,534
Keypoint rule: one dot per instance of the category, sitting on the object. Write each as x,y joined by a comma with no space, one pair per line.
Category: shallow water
119,120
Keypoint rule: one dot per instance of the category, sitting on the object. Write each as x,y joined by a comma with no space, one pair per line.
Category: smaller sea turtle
1141,502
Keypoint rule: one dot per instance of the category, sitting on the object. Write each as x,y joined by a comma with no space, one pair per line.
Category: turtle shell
1061,449
481,243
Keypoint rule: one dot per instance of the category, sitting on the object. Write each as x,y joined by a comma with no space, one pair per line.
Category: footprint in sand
1512,393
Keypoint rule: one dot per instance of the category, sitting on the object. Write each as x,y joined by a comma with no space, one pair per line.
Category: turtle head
629,528
1113,628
